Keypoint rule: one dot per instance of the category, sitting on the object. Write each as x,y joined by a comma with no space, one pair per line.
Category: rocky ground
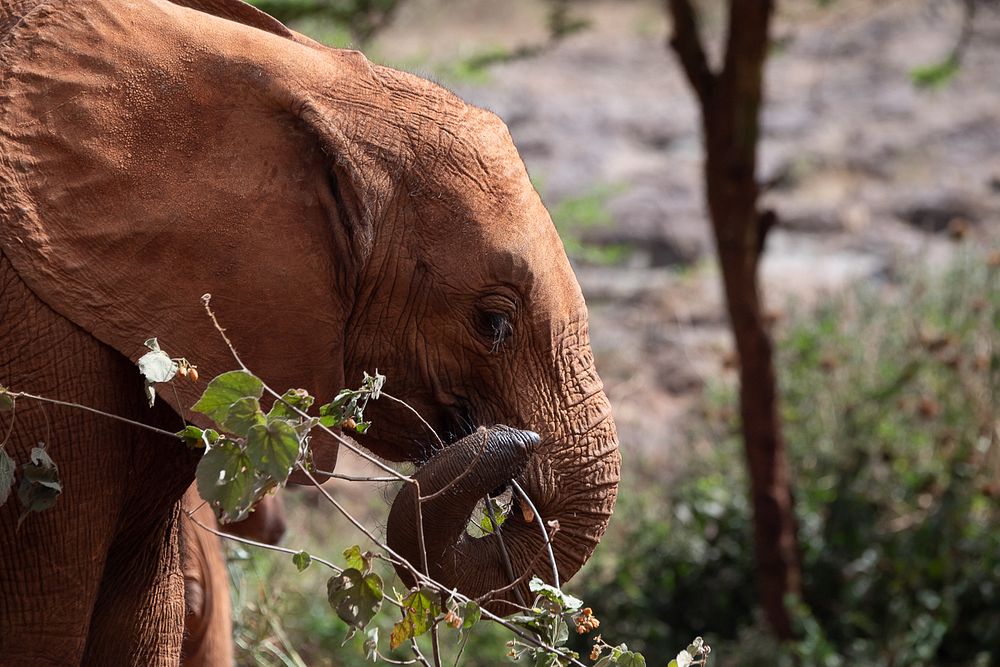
867,172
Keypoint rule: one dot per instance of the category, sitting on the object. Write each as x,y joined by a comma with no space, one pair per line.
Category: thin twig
94,411
360,526
505,557
545,532
416,652
524,575
411,409
354,478
13,419
262,545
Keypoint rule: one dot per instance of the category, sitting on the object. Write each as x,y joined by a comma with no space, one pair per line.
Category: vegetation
891,408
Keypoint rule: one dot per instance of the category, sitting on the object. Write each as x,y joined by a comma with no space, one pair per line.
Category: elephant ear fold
241,12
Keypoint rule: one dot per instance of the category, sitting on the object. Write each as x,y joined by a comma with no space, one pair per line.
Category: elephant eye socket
496,327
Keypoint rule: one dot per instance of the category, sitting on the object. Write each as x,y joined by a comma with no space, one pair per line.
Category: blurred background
878,164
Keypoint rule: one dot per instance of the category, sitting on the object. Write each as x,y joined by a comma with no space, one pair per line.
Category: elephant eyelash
502,329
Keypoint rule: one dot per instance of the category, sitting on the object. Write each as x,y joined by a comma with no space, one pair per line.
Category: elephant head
345,217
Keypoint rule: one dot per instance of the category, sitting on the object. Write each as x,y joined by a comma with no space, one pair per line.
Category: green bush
890,406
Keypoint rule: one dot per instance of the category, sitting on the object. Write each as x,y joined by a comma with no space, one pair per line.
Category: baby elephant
208,625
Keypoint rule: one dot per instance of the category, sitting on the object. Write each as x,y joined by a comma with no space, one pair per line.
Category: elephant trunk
572,481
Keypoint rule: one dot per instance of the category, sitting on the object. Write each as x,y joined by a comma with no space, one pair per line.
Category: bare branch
503,551
687,44
254,543
545,532
95,411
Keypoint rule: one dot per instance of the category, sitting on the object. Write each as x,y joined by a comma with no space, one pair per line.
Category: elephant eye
496,327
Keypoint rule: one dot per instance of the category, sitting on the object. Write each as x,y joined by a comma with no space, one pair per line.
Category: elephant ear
150,154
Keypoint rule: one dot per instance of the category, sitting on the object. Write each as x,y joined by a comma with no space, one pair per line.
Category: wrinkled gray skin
345,217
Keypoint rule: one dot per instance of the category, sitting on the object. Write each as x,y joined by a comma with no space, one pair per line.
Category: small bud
193,374
349,423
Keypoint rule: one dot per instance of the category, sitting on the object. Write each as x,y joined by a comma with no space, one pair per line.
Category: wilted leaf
243,415
7,467
302,560
372,384
226,389
40,485
420,610
371,644
355,597
553,594
356,559
297,398
273,448
155,366
226,480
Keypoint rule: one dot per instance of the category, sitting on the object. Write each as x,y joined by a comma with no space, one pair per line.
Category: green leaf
226,480
192,436
7,468
40,485
297,398
357,560
226,389
553,594
356,597
273,448
243,415
302,560
420,610
472,614
6,400
499,511
631,659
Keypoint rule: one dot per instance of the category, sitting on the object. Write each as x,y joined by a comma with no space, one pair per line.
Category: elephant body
345,217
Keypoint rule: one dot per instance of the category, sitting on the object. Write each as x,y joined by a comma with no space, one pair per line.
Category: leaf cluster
254,452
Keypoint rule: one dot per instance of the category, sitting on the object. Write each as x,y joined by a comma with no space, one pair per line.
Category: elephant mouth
457,422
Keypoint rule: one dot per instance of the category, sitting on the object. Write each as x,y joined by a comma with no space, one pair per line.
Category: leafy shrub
890,406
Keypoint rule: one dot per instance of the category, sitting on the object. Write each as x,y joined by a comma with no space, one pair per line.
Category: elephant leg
113,530
208,625
139,612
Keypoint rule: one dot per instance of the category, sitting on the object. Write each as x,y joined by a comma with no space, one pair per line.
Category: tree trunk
730,103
